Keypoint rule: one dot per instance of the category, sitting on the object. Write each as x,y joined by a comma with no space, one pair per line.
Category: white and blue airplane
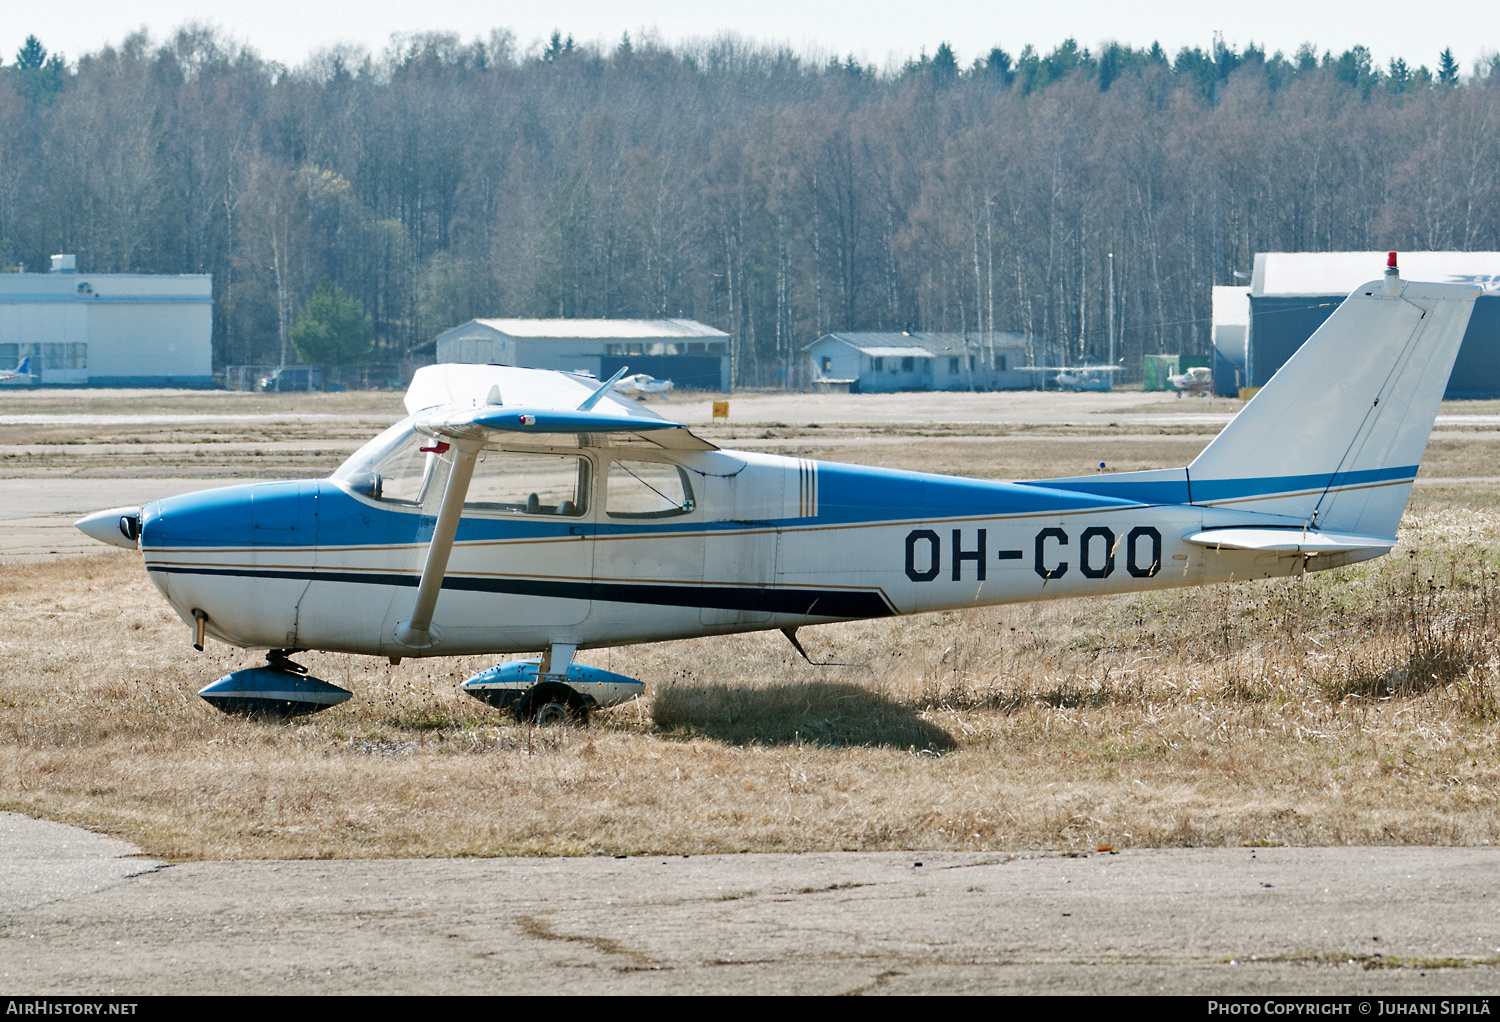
644,383
22,371
518,510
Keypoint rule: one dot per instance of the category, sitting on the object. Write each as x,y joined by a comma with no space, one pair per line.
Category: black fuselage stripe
805,602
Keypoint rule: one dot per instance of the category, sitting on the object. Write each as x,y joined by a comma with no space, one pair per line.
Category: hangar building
690,354
108,329
868,362
1256,329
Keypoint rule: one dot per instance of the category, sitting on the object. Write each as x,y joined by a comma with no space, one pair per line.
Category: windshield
394,466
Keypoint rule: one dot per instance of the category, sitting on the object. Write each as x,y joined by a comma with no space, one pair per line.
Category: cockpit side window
648,489
536,484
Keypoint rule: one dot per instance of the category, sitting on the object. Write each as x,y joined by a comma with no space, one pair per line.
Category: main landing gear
551,689
547,690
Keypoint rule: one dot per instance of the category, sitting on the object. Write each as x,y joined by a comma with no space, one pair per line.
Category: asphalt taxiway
84,914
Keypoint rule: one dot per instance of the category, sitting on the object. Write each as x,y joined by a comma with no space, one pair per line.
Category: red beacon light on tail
1392,276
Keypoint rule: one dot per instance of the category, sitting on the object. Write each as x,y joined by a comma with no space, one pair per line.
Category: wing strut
416,632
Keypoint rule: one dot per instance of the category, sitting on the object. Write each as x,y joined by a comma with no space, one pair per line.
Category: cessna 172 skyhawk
519,510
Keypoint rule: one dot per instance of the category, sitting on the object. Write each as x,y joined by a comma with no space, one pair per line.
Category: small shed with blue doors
690,354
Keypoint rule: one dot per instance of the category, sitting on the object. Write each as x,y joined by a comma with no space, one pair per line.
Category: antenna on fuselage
791,636
598,395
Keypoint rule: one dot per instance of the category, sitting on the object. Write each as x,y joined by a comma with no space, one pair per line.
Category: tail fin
25,367
1336,437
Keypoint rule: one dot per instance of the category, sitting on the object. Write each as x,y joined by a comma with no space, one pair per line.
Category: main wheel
551,703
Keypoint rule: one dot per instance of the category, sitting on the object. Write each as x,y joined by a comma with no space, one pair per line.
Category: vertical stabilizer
1336,436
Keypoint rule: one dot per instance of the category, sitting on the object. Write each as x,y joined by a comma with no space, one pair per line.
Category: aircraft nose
118,526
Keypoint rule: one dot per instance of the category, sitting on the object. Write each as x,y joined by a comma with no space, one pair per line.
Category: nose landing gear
282,688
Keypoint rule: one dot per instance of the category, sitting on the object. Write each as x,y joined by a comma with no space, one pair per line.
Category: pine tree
1447,68
944,66
32,55
40,76
332,329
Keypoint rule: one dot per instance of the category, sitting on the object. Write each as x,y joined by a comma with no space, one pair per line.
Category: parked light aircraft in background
643,383
21,371
1197,381
520,510
1080,378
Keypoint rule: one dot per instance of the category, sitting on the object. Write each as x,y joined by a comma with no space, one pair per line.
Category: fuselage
742,541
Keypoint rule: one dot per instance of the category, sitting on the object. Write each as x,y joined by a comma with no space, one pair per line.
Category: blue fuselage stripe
830,603
1189,490
307,513
1209,491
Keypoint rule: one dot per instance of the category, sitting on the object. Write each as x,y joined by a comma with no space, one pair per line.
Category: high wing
466,404
469,401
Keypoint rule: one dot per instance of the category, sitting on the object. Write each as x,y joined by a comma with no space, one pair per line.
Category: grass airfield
1352,707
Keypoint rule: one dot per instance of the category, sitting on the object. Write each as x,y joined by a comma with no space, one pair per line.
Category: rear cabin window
536,484
648,489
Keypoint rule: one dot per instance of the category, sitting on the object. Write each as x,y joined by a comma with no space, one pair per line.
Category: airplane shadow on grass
800,713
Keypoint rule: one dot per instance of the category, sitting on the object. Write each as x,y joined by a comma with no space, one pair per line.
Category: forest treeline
770,194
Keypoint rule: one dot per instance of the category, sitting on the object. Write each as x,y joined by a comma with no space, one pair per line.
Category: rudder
1336,437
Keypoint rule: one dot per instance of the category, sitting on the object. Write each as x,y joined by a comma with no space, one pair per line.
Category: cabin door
739,569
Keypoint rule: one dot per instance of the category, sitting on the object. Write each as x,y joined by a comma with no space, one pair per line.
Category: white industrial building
108,329
867,362
690,354
1257,328
1231,337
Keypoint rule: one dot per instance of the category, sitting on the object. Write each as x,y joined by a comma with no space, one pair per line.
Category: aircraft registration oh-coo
521,510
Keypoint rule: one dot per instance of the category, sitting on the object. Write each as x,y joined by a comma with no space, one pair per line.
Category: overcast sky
874,30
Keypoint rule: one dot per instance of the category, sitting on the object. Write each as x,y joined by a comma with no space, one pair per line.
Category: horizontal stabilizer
1291,541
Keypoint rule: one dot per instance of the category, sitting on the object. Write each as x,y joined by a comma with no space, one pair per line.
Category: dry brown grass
1357,707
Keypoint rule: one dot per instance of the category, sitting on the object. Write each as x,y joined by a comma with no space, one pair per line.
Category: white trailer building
108,329
868,362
